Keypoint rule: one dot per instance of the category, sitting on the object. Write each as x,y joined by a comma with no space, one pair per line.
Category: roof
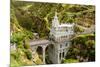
65,25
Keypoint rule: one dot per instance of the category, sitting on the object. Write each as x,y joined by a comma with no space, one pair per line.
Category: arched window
60,56
63,54
60,45
66,44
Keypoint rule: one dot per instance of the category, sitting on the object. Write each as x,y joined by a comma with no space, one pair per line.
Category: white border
85,2
4,33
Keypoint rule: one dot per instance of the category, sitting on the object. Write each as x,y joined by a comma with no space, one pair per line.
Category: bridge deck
39,42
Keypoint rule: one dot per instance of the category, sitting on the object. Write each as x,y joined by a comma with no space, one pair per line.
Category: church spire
55,17
55,21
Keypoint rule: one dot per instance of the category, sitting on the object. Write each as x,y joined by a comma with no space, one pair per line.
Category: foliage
78,29
70,61
17,37
19,58
26,46
28,54
83,48
15,55
35,18
28,34
14,63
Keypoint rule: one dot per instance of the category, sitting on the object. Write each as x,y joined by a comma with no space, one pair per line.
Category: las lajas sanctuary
59,41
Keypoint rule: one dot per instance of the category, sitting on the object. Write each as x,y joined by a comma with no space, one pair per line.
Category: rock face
36,58
19,58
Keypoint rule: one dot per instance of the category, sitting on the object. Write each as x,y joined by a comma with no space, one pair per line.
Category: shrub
14,63
29,34
20,44
15,54
70,61
78,29
17,37
28,54
83,46
90,43
26,46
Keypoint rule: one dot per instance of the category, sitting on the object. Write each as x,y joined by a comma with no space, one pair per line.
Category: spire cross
55,13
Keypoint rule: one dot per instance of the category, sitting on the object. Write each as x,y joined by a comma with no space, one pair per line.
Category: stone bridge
42,43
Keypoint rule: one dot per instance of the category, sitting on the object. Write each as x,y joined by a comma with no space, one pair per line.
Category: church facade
60,38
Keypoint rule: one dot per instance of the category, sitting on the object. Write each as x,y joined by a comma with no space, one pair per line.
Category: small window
66,44
66,36
66,29
60,56
63,54
61,46
63,50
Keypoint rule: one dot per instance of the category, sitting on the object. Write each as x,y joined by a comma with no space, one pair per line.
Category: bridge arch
50,53
39,50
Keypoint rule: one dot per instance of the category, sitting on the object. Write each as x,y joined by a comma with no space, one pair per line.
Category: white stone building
60,38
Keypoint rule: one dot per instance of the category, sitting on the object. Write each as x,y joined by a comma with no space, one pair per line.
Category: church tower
54,27
60,39
55,21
